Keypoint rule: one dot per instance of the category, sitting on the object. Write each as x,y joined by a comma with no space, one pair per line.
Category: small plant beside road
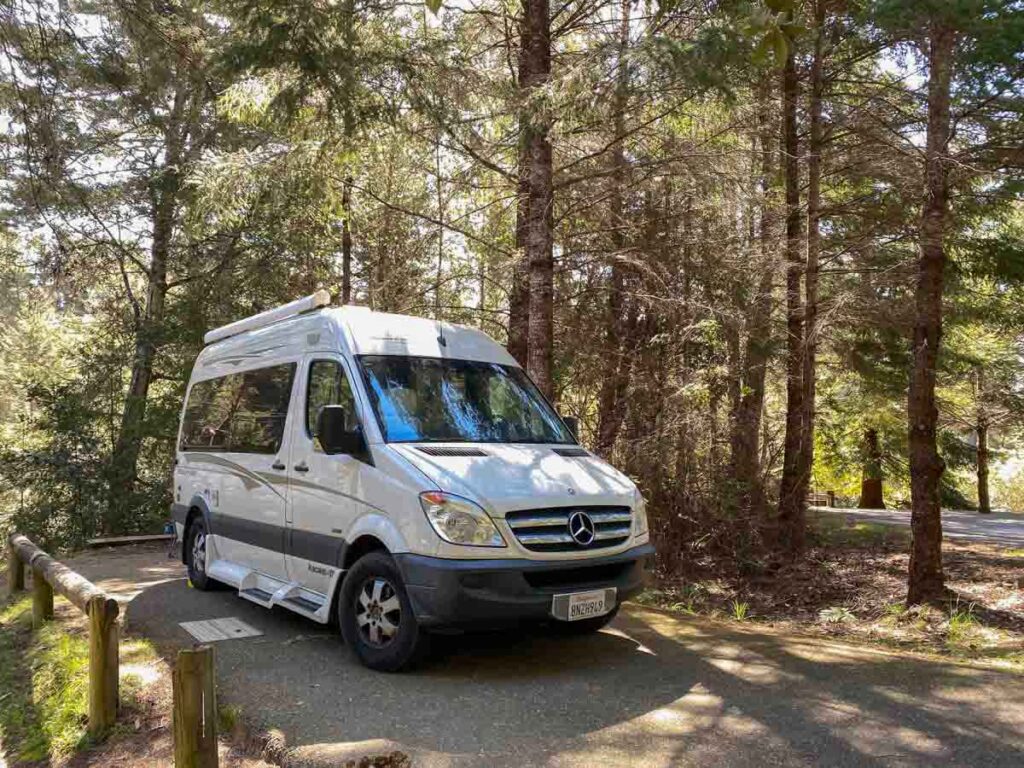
740,611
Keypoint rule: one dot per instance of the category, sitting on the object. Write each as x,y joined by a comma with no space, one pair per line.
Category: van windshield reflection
423,399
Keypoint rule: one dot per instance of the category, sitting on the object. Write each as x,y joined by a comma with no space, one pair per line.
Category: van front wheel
196,555
376,616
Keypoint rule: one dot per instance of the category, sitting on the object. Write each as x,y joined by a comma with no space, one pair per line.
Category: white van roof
307,324
382,333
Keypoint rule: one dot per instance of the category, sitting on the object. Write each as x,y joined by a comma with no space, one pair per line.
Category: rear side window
241,412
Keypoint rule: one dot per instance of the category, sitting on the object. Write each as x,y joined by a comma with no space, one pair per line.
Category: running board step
257,595
304,603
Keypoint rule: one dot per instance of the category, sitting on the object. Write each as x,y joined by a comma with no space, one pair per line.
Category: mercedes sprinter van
400,474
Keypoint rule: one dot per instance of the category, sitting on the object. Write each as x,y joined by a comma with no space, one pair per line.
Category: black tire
585,626
197,571
366,623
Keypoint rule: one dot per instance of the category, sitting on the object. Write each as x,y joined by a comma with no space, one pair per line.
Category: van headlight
460,521
639,516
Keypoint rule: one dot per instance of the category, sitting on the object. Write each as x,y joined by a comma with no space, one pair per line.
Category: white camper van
400,475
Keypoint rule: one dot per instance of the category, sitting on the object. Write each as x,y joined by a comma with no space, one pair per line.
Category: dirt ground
146,738
852,585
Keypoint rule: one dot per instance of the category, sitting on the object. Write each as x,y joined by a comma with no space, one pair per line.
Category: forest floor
851,586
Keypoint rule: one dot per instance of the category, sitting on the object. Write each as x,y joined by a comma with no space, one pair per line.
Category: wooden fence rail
49,576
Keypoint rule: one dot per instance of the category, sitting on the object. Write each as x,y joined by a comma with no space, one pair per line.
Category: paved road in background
995,528
655,690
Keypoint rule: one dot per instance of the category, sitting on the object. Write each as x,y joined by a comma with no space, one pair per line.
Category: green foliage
44,679
44,685
740,611
836,614
962,626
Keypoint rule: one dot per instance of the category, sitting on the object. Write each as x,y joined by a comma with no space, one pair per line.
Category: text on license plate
586,605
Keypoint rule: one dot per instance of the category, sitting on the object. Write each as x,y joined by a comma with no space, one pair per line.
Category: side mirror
334,435
573,424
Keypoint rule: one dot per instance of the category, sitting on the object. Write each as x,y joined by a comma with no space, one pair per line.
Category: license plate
583,605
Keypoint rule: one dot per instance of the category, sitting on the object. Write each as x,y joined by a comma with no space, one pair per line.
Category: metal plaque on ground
212,630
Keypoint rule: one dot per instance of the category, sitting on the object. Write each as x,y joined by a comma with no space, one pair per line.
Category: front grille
547,530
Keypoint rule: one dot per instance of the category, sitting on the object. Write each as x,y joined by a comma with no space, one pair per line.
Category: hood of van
511,477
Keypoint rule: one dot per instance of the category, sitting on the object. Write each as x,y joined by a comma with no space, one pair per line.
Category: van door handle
277,465
301,467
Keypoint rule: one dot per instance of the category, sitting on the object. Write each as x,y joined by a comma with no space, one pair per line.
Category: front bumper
479,593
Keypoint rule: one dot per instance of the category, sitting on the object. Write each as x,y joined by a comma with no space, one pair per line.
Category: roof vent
444,450
572,453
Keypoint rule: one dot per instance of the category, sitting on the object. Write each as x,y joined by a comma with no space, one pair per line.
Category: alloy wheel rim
378,612
199,552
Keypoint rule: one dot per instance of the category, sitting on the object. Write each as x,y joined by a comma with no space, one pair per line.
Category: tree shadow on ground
653,690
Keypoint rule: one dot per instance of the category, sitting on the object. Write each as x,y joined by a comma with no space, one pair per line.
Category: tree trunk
348,132
792,503
519,293
439,270
926,580
149,324
745,460
346,242
482,300
611,399
984,504
539,241
871,474
815,141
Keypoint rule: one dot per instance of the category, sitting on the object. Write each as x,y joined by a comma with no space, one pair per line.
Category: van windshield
425,399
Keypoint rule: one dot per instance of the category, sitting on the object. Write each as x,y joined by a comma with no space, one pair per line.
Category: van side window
258,424
240,412
328,385
207,424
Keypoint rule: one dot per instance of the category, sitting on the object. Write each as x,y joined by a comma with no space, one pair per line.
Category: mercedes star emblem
581,528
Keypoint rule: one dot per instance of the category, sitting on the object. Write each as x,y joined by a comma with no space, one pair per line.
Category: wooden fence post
103,664
42,599
195,709
15,570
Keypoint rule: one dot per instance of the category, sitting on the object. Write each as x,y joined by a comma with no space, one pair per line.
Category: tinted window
328,385
419,399
211,404
241,412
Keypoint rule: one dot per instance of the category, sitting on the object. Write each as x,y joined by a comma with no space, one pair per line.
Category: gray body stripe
179,513
258,534
309,545
317,547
